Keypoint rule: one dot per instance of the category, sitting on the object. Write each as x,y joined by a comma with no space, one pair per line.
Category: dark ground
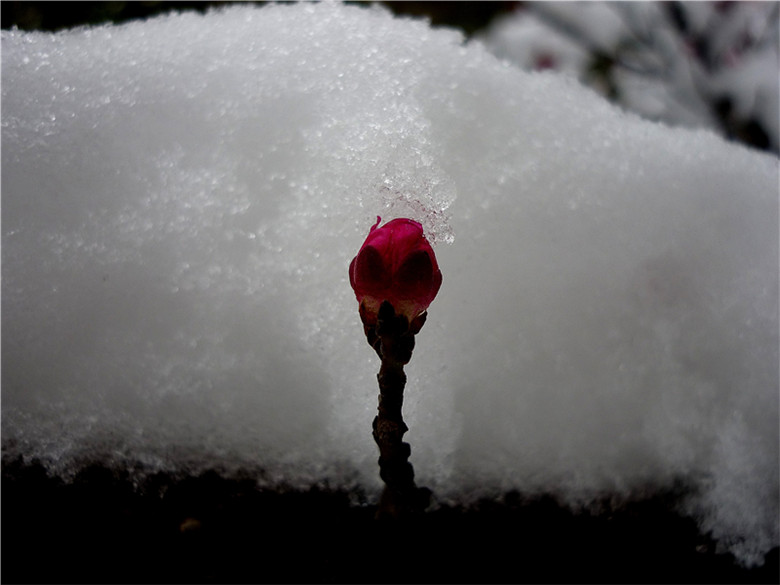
101,529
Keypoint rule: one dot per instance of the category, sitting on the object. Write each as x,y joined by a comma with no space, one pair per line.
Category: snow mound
181,200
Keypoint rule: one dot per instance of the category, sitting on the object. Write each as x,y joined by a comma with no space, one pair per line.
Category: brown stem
393,339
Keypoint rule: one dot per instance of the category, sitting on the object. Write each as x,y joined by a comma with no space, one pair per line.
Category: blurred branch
663,44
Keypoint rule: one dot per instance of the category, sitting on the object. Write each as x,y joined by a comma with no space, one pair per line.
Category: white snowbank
181,200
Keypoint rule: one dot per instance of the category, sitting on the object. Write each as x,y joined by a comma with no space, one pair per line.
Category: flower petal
370,274
414,278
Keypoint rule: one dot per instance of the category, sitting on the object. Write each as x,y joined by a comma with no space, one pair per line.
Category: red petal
414,278
352,273
369,273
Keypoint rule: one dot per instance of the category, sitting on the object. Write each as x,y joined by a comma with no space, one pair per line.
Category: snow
181,200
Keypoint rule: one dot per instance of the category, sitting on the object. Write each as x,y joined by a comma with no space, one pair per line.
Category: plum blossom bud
395,264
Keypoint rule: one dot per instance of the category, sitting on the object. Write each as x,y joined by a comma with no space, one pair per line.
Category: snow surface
181,198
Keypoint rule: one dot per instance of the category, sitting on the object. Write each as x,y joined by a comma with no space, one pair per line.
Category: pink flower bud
395,264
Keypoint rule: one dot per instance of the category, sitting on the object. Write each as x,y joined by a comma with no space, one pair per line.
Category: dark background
102,527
